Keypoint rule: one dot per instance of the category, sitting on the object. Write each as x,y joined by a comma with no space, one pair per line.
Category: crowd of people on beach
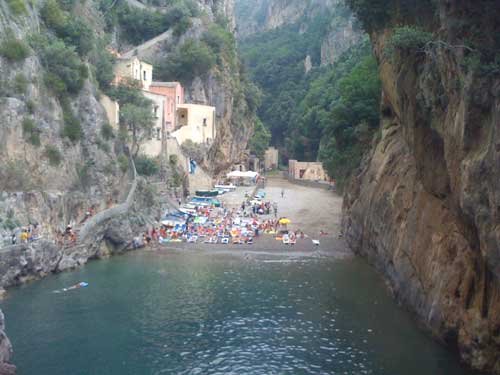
259,208
217,225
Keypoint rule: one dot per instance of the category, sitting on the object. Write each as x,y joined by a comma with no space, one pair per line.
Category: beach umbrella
285,221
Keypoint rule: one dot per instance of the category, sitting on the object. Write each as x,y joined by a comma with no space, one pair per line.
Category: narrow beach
311,210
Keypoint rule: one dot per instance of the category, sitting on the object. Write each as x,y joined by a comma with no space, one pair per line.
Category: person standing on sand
282,193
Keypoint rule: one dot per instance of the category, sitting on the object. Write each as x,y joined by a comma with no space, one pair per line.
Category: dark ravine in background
424,207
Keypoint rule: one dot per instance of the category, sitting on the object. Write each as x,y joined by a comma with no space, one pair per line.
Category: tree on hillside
260,139
136,112
191,59
66,71
139,121
128,91
352,120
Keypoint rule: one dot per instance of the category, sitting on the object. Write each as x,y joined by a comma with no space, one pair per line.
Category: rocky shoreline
6,368
28,262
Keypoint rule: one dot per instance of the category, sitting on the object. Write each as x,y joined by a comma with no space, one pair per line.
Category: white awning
239,174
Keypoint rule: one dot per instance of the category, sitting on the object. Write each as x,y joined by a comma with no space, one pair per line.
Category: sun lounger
286,239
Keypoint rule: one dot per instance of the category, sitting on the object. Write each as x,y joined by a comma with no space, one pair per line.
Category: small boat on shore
205,202
207,193
227,188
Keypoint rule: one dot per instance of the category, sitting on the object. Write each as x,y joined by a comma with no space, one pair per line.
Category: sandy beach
311,210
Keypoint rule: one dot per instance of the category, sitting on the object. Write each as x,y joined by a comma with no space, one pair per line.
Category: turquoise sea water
146,313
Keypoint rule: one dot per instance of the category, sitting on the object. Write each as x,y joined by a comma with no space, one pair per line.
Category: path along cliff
424,206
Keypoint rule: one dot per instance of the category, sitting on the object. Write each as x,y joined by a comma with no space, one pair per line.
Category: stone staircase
200,180
164,194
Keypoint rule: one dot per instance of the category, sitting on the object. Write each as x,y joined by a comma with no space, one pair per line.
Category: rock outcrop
6,368
263,15
424,206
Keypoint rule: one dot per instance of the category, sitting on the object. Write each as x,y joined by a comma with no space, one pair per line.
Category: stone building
254,163
134,68
308,171
271,159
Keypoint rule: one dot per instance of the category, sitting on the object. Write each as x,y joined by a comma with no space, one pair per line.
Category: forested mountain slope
318,78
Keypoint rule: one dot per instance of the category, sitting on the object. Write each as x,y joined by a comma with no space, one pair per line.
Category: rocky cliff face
424,206
62,177
257,16
5,350
263,15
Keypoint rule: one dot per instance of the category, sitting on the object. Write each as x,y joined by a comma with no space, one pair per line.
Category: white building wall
153,145
200,126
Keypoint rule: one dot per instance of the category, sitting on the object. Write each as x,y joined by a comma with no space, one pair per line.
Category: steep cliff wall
255,16
259,16
424,206
263,15
63,177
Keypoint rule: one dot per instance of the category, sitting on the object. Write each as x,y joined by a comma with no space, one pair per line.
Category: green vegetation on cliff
275,62
196,58
338,115
14,49
189,60
137,25
413,25
349,120
69,47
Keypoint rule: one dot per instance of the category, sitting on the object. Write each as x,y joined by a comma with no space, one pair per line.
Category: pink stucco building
174,93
